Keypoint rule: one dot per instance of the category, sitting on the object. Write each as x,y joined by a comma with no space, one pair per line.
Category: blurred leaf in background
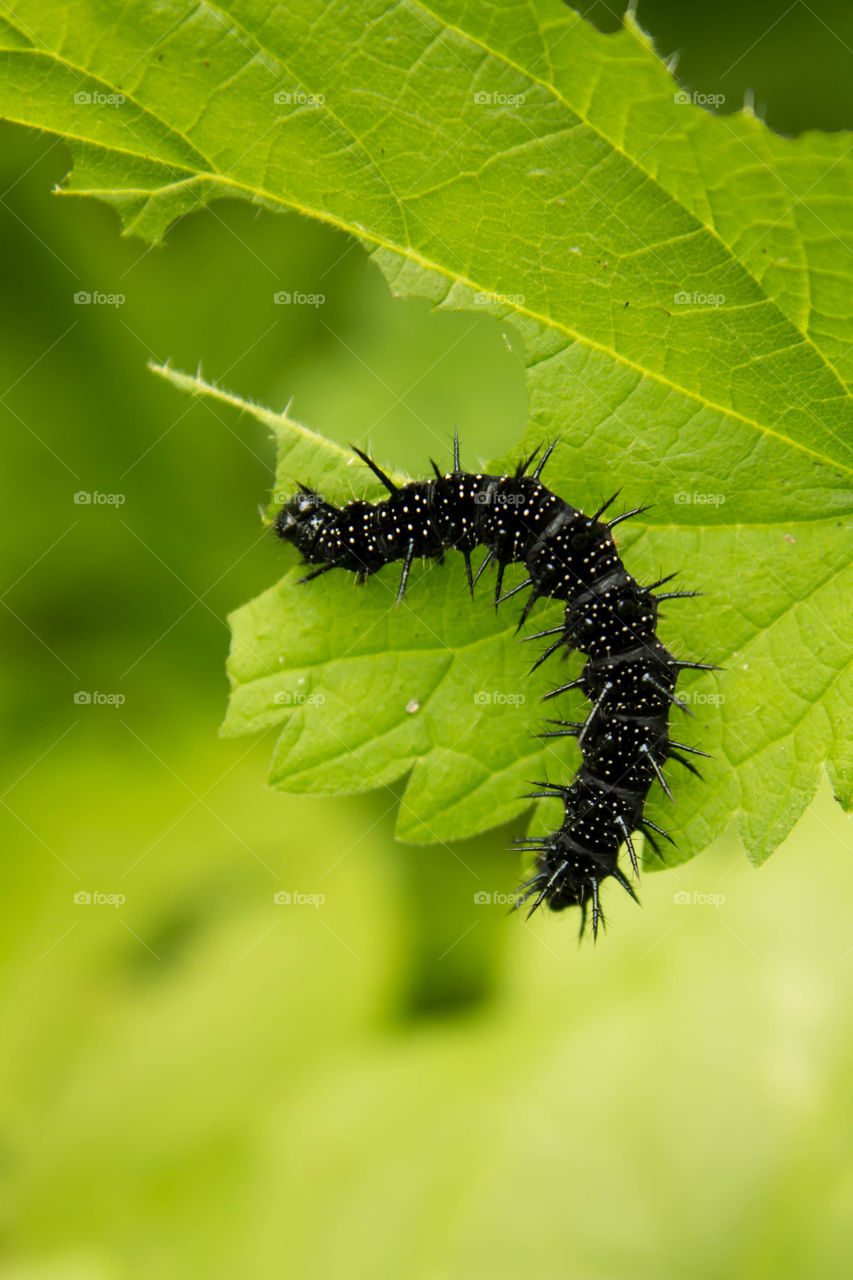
202,1081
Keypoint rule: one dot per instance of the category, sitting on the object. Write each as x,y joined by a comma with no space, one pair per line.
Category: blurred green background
199,1081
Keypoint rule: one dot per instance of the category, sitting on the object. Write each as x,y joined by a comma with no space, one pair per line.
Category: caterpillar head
302,518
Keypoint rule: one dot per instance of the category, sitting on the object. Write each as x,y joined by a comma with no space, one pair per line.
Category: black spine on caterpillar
629,677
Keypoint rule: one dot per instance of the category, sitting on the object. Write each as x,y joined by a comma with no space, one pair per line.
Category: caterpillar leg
487,559
467,558
404,577
629,845
597,913
309,577
499,582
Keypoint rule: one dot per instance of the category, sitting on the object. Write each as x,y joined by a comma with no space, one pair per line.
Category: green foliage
679,281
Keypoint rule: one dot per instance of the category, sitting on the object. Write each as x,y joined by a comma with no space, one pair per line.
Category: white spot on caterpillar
413,706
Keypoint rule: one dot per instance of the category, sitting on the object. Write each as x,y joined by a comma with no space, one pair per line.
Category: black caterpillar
630,677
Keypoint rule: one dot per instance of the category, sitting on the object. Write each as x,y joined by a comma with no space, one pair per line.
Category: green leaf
680,283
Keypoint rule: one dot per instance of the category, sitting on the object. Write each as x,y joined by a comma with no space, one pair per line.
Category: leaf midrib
547,322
